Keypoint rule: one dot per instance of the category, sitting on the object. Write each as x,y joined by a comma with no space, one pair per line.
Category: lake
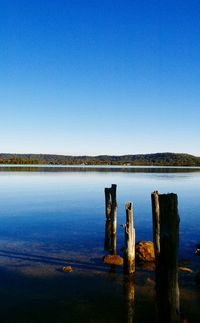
54,216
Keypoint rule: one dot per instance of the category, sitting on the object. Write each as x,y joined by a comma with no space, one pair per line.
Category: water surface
55,216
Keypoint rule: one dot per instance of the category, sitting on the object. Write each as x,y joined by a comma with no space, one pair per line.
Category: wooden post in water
156,221
167,289
113,192
108,219
129,248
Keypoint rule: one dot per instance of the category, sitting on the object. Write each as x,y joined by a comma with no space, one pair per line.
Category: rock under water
113,260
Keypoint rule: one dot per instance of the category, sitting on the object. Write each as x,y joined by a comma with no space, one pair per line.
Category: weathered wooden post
113,192
167,289
156,221
108,219
129,248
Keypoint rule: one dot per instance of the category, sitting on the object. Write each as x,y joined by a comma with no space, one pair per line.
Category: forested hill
168,159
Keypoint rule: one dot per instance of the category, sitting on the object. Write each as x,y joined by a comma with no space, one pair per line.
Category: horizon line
98,155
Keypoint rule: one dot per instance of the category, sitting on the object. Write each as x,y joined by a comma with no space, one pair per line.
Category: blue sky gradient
99,77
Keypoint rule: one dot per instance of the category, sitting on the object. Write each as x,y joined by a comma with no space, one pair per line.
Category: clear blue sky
99,76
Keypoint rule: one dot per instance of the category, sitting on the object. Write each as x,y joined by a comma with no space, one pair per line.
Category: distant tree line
159,159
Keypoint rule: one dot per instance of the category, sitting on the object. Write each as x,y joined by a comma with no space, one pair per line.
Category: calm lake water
55,216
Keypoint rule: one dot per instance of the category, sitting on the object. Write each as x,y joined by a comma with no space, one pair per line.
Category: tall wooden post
108,219
156,221
113,192
167,289
129,248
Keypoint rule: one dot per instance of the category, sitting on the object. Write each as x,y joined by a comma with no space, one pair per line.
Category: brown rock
113,260
67,268
144,251
185,269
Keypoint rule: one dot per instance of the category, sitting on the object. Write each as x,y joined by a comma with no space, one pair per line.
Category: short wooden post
129,248
108,219
113,192
156,221
167,261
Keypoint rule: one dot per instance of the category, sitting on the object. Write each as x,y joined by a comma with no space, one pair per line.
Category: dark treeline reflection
99,169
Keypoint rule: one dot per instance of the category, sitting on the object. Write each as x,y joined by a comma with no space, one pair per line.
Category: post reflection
129,297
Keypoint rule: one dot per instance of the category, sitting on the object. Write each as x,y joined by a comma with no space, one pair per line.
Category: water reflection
74,168
129,296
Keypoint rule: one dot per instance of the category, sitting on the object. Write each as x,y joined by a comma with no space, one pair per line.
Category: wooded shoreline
158,159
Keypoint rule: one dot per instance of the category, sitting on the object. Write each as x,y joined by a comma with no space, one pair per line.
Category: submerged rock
185,269
150,282
67,268
149,265
144,251
113,260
